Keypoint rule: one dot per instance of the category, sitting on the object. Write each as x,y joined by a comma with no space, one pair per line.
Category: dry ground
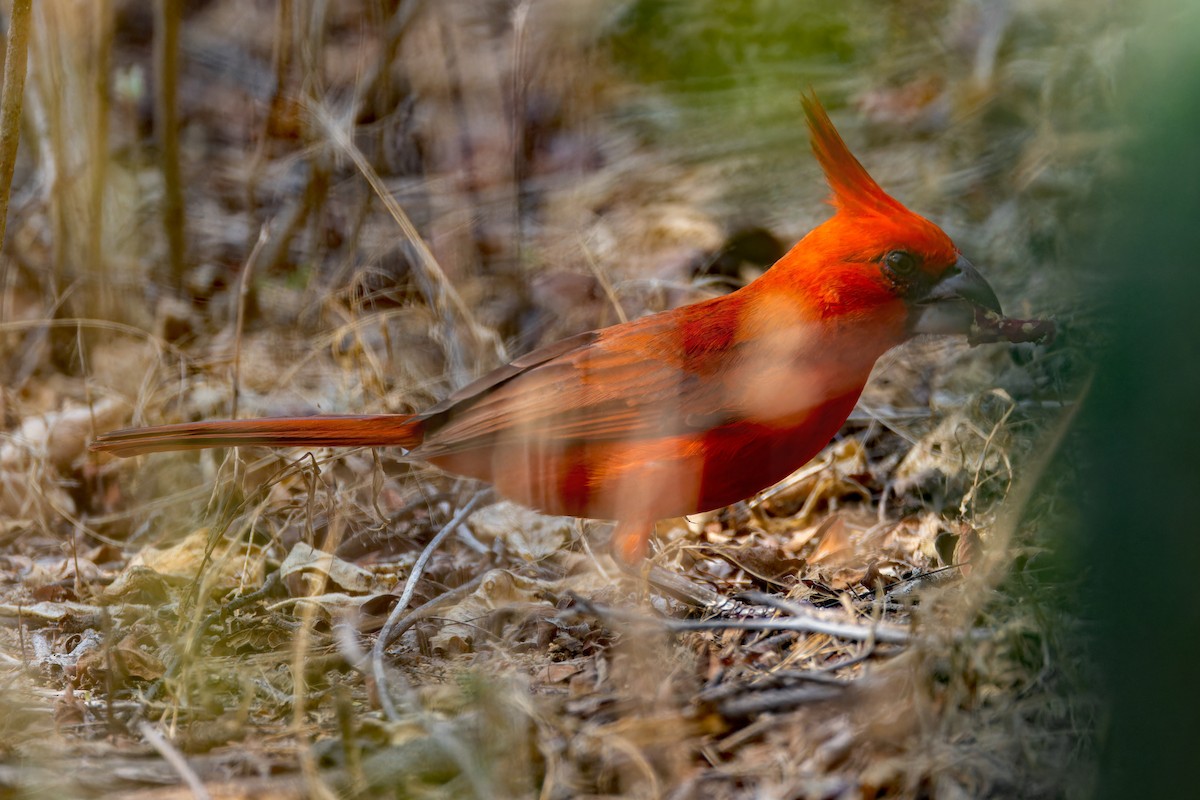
382,199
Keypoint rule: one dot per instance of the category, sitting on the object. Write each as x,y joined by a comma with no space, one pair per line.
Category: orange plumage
683,411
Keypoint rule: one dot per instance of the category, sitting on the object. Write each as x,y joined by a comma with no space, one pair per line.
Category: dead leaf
68,710
119,665
765,560
88,642
181,563
140,584
59,437
968,550
833,544
559,672
305,563
331,605
528,534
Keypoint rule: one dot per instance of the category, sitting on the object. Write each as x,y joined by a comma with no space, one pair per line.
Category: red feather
853,189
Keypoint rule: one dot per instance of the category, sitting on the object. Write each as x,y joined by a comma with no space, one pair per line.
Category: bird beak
949,305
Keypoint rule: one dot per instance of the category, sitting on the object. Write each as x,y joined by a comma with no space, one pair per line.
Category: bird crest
854,190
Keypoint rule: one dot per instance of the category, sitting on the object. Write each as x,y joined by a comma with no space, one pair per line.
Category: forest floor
383,200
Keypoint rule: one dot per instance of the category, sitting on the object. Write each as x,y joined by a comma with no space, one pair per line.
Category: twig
410,586
913,583
426,610
756,703
606,285
15,65
167,15
269,585
806,624
778,690
103,44
587,548
773,681
441,732
811,617
161,347
802,620
692,593
174,758
240,324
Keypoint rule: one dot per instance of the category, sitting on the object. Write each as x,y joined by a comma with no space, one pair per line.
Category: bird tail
378,430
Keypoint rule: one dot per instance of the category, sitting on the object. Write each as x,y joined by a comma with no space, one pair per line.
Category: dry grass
383,199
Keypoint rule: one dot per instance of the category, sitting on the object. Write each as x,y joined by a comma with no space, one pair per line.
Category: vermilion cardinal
690,409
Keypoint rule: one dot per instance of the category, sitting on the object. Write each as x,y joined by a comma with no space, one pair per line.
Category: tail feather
378,430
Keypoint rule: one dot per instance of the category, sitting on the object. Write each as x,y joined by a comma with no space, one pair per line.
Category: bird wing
622,383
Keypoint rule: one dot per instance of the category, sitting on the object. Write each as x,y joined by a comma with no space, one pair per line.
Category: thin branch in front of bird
387,634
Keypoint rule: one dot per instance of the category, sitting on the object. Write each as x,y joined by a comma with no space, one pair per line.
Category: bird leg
630,541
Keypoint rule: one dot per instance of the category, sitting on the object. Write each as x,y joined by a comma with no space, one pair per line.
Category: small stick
240,324
776,700
410,586
992,327
173,757
15,65
879,631
426,610
801,620
807,624
103,44
166,116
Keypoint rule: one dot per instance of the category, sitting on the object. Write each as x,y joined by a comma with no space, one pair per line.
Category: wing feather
627,382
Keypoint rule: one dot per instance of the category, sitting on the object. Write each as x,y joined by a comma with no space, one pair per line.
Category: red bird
686,410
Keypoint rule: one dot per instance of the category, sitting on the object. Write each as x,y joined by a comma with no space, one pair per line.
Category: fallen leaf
59,437
528,534
559,672
305,562
119,665
833,544
180,564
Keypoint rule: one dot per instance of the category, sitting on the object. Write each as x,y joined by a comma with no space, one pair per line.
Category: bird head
876,252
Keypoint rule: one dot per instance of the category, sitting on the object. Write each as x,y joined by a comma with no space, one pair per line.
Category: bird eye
900,263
